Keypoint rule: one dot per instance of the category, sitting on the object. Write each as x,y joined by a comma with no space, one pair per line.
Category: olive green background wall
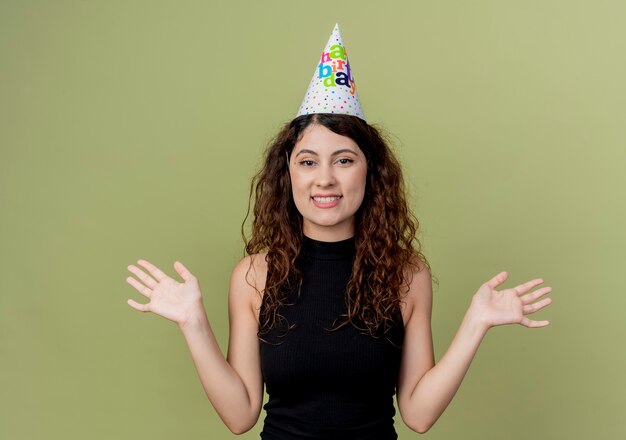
130,129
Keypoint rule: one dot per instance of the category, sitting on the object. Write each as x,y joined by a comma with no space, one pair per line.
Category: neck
334,233
328,235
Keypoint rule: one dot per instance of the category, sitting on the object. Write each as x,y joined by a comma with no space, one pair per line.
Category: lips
326,201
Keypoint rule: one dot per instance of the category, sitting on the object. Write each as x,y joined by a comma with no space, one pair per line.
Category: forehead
324,141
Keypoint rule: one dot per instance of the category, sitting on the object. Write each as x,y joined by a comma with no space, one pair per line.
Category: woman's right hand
178,302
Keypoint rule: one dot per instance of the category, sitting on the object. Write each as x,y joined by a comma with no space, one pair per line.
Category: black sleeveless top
328,384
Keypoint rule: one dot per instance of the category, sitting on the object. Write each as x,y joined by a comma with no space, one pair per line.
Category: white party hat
332,88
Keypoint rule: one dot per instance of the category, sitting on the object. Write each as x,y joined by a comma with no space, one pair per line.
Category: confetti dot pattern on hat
332,88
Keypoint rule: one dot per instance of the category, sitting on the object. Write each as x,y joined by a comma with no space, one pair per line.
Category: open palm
510,306
168,298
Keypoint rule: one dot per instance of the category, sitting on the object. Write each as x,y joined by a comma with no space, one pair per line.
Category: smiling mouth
326,199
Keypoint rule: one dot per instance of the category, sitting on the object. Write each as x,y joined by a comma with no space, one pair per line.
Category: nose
325,176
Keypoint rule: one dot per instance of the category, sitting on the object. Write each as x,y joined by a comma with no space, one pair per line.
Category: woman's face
328,173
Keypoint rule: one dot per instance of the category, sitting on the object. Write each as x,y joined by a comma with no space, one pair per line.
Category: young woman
331,308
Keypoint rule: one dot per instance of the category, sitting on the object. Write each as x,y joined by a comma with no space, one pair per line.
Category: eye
345,161
306,163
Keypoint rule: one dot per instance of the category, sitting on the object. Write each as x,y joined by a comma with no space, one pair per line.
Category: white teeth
326,199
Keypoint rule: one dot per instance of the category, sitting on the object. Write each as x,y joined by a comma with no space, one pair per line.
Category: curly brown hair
385,229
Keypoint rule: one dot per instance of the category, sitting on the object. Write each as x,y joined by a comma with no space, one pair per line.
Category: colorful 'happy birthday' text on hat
332,88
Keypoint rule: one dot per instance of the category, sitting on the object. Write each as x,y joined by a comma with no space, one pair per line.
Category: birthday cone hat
332,88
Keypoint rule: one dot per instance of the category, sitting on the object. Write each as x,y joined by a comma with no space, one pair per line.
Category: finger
532,308
141,307
183,271
525,287
140,287
147,280
154,271
533,324
533,296
497,280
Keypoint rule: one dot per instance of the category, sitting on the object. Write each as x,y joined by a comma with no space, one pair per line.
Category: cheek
363,185
298,186
358,187
362,181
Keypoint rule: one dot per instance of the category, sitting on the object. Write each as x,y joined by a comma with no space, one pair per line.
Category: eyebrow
343,150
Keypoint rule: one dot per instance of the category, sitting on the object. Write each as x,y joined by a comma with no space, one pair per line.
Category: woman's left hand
510,306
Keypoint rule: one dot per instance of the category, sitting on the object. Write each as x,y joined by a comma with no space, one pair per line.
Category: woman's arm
426,389
233,385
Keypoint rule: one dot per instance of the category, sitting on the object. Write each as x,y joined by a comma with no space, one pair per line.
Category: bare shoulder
247,281
419,294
